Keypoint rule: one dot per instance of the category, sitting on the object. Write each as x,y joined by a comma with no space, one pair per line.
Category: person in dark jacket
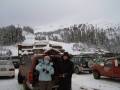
57,63
67,68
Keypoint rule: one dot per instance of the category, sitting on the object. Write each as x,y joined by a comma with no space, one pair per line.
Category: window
5,62
79,59
118,61
108,63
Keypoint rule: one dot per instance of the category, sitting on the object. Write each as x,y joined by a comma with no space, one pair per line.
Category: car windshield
5,63
118,60
5,58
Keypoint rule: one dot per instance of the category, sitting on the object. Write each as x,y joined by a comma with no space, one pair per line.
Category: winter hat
66,54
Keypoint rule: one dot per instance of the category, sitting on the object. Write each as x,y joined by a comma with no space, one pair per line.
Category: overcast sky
47,12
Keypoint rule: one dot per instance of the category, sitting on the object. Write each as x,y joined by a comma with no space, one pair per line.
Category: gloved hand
47,71
43,70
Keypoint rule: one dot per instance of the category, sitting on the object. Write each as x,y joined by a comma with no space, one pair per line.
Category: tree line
10,35
86,33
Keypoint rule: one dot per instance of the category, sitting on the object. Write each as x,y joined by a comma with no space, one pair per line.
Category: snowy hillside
72,48
111,30
80,48
82,38
105,37
48,28
29,38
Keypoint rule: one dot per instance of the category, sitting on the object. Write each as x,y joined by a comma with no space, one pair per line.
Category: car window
108,63
9,63
5,63
79,60
73,59
118,61
76,59
84,60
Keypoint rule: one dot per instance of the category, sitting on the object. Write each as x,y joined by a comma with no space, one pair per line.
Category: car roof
5,60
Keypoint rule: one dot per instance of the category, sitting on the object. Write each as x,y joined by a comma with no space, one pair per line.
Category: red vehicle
109,68
29,58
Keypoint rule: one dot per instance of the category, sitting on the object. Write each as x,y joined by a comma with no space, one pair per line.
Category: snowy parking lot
79,82
87,82
10,83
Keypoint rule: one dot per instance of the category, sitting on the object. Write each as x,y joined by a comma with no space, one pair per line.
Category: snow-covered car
7,68
82,63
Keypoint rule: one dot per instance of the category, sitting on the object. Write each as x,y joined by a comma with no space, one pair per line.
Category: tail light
30,77
12,69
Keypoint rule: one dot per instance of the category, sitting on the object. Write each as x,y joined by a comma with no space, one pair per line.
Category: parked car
7,68
28,75
82,63
109,68
27,72
14,59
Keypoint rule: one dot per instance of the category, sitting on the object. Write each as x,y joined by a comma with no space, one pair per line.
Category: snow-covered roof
43,42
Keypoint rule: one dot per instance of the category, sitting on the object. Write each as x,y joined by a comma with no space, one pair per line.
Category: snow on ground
87,82
10,83
79,82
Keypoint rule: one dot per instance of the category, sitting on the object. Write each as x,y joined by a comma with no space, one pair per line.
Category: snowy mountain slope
72,48
104,37
48,28
58,36
81,49
111,30
29,38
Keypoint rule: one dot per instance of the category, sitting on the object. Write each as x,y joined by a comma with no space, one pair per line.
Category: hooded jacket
46,70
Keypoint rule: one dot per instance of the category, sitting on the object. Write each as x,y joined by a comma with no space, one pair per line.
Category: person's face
65,57
47,58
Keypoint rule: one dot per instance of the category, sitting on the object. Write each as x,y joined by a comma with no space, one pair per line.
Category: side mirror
116,63
102,64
